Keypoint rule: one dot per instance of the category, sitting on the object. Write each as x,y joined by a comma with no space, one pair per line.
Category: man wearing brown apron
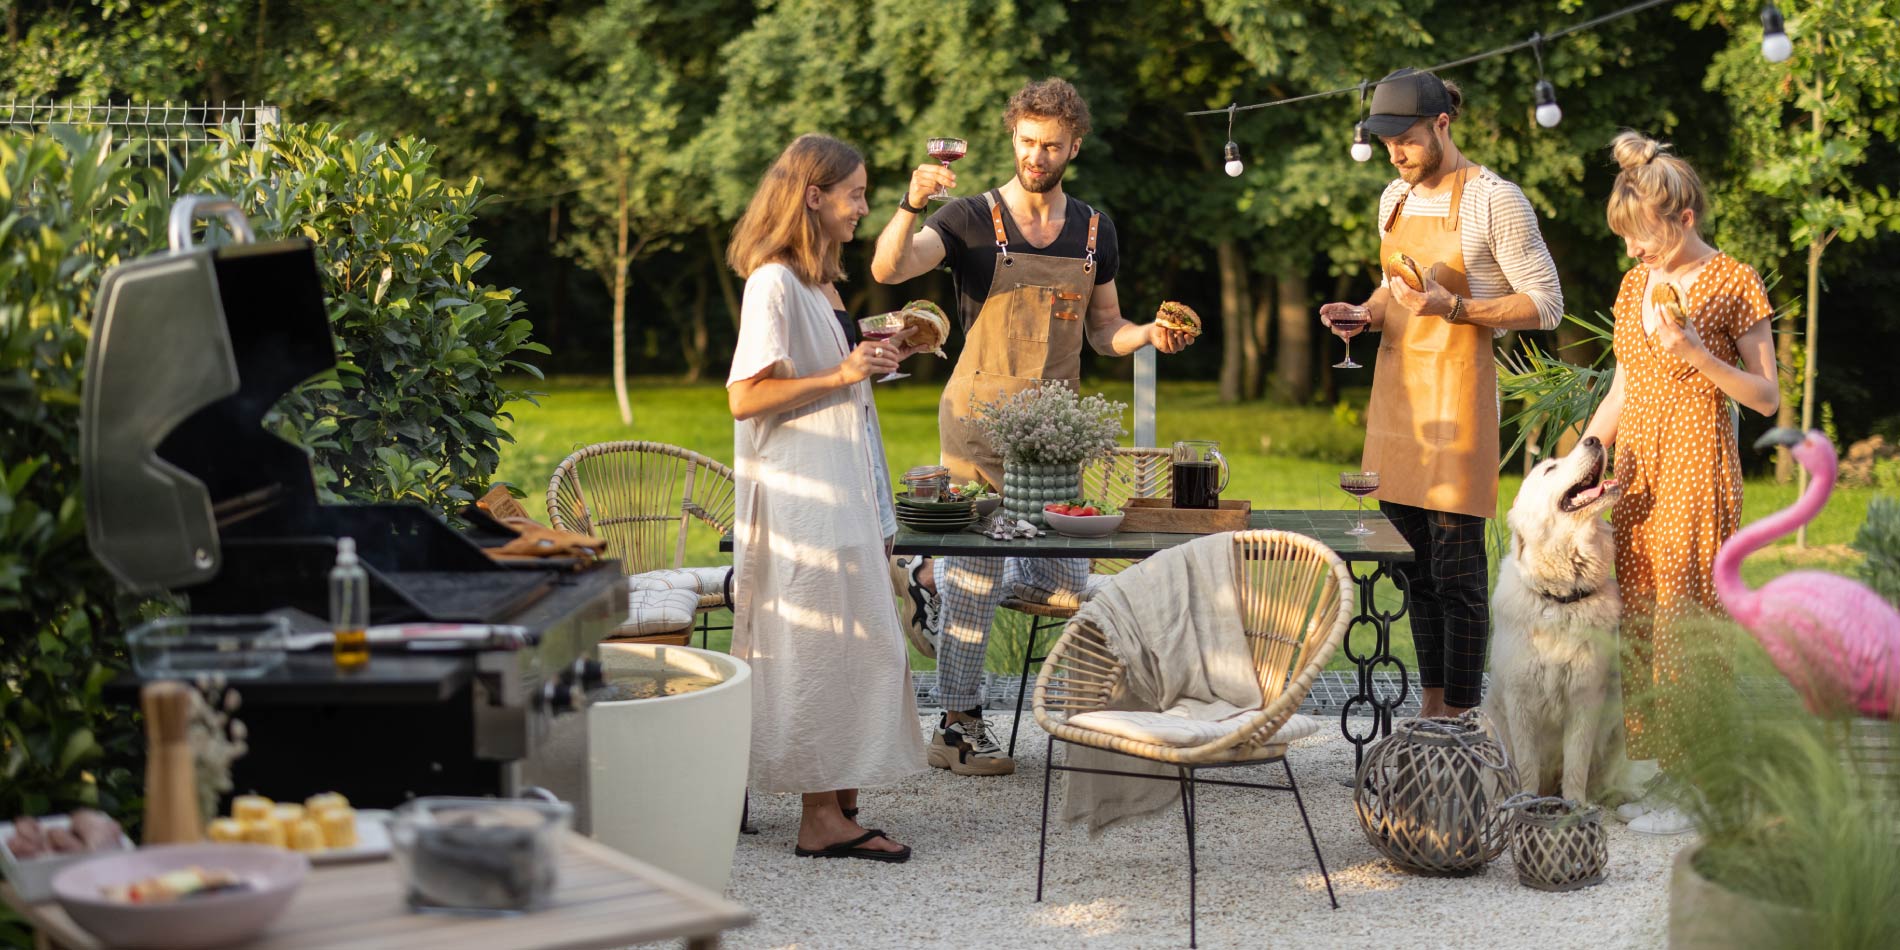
1432,424
1035,276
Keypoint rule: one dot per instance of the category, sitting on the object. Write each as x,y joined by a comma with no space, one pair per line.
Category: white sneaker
1630,811
1663,821
917,606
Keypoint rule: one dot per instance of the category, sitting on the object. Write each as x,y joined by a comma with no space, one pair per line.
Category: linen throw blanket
1175,621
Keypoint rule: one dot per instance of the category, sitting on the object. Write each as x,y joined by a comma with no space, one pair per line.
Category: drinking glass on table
945,150
1359,485
883,327
1348,322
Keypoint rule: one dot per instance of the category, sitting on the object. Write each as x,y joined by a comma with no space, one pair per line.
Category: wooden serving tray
1160,515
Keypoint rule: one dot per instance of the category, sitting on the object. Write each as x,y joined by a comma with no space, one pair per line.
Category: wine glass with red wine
946,150
1348,323
883,327
1359,485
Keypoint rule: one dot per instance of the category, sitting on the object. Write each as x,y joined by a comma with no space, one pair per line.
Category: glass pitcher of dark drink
1199,474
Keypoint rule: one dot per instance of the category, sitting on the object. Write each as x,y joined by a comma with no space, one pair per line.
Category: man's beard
1434,157
1051,177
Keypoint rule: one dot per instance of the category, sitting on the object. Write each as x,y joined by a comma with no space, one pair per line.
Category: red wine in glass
883,327
1348,323
946,150
1359,485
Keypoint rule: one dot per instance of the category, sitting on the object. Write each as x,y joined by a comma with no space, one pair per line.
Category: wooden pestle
171,784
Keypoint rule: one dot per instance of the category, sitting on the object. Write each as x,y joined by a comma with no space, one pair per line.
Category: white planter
667,775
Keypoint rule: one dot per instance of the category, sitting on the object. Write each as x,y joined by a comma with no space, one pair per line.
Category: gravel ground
972,879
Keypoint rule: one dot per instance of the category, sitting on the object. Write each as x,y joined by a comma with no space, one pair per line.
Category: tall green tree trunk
699,339
1260,333
1293,360
1238,348
623,262
727,290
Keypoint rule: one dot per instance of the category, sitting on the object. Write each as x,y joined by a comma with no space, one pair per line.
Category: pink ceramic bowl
215,920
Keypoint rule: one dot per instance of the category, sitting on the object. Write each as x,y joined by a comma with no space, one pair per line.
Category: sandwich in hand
1405,269
1179,317
1668,301
928,326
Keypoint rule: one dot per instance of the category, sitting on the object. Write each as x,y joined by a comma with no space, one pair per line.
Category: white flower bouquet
1051,425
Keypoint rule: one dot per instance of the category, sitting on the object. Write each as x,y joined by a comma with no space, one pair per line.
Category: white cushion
659,610
709,583
1170,729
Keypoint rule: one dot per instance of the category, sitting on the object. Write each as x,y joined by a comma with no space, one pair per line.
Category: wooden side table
604,899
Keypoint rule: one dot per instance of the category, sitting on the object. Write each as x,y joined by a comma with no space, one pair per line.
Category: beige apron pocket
1031,308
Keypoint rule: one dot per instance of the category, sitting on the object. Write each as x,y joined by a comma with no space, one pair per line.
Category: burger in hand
1178,317
1401,266
1668,301
929,327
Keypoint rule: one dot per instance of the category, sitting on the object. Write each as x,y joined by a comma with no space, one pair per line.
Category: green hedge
410,414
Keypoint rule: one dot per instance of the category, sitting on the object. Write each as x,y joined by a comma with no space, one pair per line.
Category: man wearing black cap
1432,425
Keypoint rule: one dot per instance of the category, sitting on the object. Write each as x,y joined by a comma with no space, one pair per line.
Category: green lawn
1280,458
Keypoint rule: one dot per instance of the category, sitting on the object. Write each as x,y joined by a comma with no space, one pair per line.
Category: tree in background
1813,145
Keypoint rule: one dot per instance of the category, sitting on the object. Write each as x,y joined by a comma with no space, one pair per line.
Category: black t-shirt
969,246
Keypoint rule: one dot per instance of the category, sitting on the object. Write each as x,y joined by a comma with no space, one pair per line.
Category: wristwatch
904,204
1457,309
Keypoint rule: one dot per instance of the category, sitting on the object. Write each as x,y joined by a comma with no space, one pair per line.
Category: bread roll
225,831
339,827
251,807
1668,301
1407,270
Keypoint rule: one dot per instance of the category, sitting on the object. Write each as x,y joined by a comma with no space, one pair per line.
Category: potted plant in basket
1044,436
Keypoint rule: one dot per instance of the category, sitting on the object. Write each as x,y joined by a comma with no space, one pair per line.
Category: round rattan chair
1296,598
1126,472
645,498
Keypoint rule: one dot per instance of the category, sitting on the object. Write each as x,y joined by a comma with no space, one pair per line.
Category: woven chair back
1291,588
1124,473
643,497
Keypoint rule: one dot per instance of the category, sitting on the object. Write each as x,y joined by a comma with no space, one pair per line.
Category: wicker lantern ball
1428,795
1556,844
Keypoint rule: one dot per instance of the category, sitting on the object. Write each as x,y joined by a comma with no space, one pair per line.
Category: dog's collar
1569,598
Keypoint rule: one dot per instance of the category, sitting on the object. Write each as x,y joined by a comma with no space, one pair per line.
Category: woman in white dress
832,707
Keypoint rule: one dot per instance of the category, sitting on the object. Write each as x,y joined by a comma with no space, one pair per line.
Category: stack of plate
934,515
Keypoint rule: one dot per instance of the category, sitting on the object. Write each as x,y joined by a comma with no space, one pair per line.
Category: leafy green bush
410,414
1879,540
422,344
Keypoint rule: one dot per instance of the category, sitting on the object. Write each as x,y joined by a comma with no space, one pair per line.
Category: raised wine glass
1359,485
1348,323
883,327
946,150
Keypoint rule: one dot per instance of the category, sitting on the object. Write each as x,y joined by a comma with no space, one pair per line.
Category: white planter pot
667,775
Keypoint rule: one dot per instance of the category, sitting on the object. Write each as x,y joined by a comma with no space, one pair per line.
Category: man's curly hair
1051,98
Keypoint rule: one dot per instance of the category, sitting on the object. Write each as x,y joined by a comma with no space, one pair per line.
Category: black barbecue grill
187,491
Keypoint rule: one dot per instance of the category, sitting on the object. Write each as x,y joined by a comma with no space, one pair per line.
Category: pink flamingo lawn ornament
1834,638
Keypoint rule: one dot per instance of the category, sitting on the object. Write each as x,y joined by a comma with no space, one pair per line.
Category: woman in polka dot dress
1668,414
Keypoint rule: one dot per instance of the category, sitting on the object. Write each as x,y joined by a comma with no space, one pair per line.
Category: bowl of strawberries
1081,518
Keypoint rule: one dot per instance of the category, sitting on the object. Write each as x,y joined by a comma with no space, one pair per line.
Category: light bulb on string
1549,113
1775,45
1361,146
1231,153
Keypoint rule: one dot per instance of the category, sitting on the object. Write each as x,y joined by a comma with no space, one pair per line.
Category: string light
1361,146
1231,153
1549,113
1775,45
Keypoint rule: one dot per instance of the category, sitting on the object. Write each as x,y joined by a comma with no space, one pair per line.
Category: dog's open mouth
1591,489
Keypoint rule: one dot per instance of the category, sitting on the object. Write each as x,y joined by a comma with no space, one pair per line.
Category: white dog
1554,684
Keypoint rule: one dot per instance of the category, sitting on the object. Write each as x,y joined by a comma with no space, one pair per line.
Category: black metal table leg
1381,707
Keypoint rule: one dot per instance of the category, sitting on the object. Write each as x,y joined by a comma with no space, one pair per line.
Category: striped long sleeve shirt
1504,251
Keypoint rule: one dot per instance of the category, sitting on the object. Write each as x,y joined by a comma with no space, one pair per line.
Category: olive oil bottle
349,607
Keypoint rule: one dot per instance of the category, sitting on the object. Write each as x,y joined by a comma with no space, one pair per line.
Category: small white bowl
988,504
1083,526
214,920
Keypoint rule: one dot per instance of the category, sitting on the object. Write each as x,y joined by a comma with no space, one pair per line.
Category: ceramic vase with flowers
1045,435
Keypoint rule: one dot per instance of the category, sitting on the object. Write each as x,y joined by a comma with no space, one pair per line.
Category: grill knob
556,697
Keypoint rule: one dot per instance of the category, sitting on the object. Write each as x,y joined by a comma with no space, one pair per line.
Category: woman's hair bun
1634,149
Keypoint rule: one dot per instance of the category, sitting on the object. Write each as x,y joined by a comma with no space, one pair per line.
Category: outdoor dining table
1371,558
602,899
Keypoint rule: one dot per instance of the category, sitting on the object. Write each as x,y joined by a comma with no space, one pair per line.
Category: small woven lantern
1428,794
1557,844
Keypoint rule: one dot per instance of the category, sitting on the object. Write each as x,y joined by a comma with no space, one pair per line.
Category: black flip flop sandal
849,812
851,849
